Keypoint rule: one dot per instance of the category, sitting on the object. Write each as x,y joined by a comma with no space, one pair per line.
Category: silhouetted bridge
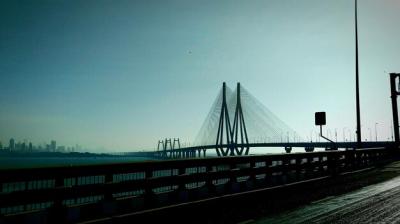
201,151
232,139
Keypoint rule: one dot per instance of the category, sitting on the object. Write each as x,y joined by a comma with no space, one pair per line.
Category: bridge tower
224,124
160,143
236,137
239,127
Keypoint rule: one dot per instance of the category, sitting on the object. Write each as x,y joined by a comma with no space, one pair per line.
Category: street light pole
336,134
376,132
370,134
357,83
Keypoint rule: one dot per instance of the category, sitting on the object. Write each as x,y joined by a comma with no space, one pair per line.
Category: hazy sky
122,74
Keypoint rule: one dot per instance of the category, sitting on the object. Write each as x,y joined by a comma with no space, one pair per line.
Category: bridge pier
330,148
232,151
204,152
288,149
309,149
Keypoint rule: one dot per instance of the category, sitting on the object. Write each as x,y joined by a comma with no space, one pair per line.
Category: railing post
321,165
284,177
268,173
298,168
253,167
332,163
232,177
58,210
181,171
181,193
209,181
108,179
308,173
108,202
148,191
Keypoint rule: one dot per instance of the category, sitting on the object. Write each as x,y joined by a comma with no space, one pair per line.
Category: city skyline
14,145
120,76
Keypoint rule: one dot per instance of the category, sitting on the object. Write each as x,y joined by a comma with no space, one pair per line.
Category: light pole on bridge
336,134
370,134
357,82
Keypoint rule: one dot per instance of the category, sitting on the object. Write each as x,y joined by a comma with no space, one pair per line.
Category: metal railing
142,185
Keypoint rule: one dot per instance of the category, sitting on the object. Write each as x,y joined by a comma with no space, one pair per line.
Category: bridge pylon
236,135
224,128
239,127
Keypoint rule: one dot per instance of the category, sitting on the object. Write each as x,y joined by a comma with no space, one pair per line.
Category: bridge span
235,118
201,151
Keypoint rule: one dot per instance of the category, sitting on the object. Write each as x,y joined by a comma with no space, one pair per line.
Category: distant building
12,145
1,146
61,148
17,146
53,146
30,147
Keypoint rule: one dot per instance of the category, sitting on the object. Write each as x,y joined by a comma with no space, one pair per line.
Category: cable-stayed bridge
235,120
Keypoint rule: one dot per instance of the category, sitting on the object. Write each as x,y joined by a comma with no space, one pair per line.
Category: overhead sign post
320,120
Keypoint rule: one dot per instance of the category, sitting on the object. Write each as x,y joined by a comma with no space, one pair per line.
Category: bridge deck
378,203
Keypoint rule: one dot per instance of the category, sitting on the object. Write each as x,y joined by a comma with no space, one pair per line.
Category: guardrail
87,192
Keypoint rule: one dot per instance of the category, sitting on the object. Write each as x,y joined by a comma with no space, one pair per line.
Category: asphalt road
378,203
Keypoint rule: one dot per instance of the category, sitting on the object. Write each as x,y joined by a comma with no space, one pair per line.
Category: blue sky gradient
119,75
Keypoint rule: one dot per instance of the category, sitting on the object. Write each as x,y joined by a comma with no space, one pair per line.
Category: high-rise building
30,147
61,149
53,146
1,146
11,147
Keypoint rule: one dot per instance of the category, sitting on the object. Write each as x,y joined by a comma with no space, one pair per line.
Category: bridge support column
218,152
309,149
288,149
204,152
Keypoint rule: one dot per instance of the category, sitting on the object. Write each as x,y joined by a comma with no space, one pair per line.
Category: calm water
31,162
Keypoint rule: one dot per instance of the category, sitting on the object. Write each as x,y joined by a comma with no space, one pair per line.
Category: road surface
378,203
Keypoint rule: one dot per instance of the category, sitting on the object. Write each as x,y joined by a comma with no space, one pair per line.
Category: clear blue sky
120,75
